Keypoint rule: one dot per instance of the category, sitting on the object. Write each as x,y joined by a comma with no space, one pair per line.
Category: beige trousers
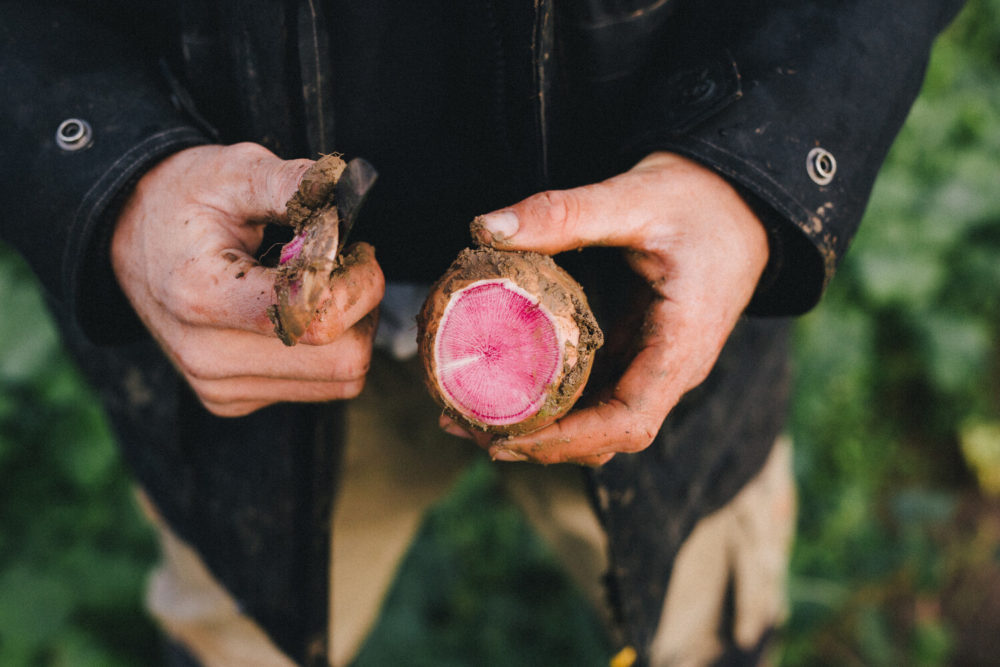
397,464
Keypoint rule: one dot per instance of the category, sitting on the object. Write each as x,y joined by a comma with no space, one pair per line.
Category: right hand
183,252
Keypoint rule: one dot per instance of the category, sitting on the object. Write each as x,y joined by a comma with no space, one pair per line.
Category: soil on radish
315,190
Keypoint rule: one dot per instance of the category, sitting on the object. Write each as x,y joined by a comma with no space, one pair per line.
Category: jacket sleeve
88,75
797,103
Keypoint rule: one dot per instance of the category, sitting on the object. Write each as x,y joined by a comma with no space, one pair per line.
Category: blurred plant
73,551
898,379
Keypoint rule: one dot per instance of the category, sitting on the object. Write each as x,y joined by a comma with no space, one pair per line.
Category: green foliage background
896,423
897,410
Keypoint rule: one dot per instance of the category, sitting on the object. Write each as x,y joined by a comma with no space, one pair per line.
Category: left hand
183,250
701,250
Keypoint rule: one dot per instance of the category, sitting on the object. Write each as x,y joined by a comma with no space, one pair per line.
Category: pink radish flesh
497,352
292,249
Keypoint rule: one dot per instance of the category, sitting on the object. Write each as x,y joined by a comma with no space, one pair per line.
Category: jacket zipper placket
542,47
315,66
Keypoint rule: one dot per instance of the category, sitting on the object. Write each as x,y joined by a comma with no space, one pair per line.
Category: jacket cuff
674,118
800,113
802,255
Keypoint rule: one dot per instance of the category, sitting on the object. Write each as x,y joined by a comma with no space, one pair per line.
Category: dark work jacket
796,103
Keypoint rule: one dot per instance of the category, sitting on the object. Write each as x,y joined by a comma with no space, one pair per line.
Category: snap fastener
74,134
701,91
821,165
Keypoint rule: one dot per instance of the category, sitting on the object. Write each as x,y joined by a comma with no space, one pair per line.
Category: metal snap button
700,91
74,134
821,166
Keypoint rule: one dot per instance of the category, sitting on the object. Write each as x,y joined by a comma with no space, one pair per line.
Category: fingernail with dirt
496,227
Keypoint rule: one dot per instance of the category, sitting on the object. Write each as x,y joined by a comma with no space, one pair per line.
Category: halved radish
507,341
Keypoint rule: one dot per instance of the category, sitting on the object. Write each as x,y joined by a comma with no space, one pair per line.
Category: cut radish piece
507,341
291,250
305,264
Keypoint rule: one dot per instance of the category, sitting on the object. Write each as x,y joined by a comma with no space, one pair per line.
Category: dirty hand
183,252
701,250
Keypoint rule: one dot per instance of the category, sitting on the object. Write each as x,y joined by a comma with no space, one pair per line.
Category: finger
615,426
240,396
230,399
208,354
560,220
235,409
265,182
449,426
229,290
611,427
499,453
219,288
628,419
594,461
357,286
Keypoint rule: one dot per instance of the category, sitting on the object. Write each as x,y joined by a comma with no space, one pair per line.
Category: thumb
269,182
560,220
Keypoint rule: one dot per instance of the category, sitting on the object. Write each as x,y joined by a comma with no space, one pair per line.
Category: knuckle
377,280
638,428
187,362
357,368
283,177
356,360
248,150
196,364
207,392
225,400
639,439
217,402
179,299
324,331
347,363
561,208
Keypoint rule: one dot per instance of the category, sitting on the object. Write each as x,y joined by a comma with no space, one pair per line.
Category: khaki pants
397,463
